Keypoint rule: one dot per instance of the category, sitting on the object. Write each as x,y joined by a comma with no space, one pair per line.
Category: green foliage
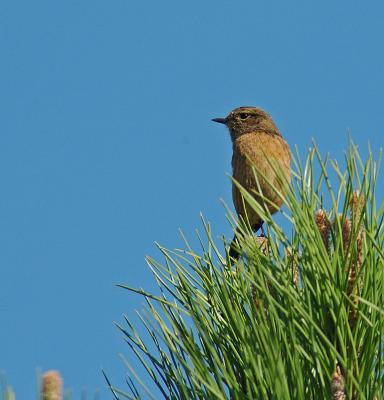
9,394
6,391
298,316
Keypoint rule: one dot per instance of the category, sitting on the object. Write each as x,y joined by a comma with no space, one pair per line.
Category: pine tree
298,316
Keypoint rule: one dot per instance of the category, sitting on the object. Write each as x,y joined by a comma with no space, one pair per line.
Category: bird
258,143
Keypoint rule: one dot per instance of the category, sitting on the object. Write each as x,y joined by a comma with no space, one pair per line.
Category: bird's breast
270,155
260,149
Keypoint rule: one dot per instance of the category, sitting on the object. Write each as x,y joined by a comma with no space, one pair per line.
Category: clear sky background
106,145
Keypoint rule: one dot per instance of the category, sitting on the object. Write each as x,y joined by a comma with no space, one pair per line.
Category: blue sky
106,145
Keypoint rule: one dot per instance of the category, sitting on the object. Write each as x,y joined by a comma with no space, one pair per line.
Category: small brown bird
256,141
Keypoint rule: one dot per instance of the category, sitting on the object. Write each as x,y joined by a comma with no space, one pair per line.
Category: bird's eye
244,115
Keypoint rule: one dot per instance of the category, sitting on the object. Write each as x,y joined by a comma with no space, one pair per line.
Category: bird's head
244,120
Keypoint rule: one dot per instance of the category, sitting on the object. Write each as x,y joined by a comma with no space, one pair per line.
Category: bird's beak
220,120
